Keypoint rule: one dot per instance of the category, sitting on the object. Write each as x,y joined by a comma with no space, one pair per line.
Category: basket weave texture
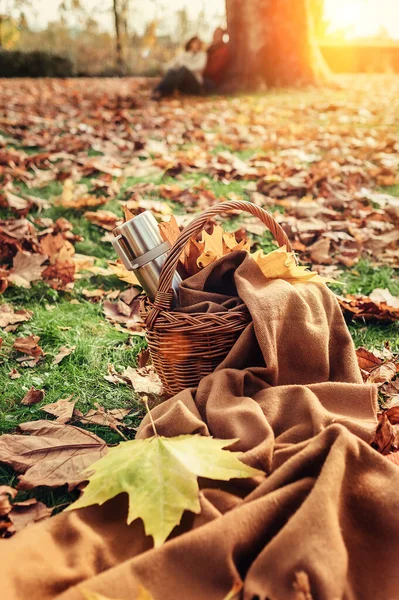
186,347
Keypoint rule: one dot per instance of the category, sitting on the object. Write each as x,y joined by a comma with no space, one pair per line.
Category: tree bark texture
273,41
120,63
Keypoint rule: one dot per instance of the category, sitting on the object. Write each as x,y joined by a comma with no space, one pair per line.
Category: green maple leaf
160,476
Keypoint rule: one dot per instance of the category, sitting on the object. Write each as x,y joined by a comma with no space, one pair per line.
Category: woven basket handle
164,297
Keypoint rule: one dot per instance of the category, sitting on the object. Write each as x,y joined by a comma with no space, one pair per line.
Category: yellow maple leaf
123,274
217,244
281,264
159,475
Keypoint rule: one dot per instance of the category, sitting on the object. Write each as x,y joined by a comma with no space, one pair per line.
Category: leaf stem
145,400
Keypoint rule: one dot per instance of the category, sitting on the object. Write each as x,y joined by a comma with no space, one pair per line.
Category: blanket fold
323,524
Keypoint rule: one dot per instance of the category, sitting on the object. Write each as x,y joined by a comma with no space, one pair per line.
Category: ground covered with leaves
74,153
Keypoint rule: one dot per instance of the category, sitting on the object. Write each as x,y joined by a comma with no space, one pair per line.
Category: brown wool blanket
323,524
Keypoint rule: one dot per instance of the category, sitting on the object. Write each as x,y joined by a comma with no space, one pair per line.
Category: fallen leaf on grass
393,415
105,417
384,295
160,476
362,307
10,317
386,437
76,196
60,274
26,268
62,353
382,374
103,218
143,380
143,357
118,269
53,454
124,314
13,374
28,345
32,397
27,512
6,493
62,409
367,360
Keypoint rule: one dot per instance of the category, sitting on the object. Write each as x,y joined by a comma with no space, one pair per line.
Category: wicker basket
186,347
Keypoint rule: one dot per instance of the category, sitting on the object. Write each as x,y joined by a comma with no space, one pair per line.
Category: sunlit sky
360,18
363,17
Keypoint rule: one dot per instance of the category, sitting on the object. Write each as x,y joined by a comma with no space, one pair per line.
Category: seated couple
196,71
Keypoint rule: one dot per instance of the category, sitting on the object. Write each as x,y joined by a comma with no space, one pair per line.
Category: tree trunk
120,63
273,41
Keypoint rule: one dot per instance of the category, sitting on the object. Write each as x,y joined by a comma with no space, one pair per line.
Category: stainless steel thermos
142,250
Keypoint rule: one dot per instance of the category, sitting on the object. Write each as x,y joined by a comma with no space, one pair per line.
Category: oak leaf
160,476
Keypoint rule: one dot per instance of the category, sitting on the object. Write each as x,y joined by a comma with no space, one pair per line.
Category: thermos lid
138,241
141,233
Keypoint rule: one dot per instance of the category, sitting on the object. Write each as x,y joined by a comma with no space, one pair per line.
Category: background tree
121,12
274,41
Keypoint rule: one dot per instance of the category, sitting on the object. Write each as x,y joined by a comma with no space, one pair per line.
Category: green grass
59,322
80,374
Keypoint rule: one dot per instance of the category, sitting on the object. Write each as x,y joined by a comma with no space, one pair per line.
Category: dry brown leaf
60,274
76,196
384,295
361,307
62,353
386,436
62,409
118,269
13,374
83,262
95,294
382,374
106,417
32,397
53,454
143,358
103,218
26,269
10,317
124,314
367,360
169,230
6,493
27,512
28,345
144,381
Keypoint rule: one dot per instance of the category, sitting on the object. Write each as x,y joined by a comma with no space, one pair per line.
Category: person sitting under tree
185,72
217,62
